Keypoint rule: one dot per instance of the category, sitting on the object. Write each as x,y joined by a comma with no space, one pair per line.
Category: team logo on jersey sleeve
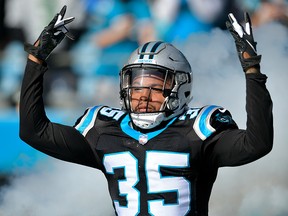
202,126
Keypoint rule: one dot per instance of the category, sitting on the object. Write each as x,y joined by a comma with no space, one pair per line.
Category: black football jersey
155,173
167,171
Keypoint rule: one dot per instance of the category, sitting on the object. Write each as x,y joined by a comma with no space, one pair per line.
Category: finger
68,20
231,29
231,18
248,27
63,11
229,26
61,22
237,27
64,29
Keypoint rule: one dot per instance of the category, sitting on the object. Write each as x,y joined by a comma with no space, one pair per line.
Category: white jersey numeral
159,184
110,112
126,186
156,183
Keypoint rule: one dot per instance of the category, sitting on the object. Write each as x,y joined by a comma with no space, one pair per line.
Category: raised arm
60,141
236,147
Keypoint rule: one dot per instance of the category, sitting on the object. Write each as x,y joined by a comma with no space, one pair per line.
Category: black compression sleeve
237,147
59,141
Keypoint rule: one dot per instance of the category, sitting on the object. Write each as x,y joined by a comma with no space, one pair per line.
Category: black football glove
244,42
50,37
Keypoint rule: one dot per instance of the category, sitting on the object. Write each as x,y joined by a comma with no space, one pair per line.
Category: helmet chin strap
147,120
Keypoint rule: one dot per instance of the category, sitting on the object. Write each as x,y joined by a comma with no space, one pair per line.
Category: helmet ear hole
166,92
187,94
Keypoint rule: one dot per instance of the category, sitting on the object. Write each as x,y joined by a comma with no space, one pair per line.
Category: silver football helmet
164,62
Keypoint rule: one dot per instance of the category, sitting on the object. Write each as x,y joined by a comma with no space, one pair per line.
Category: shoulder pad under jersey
211,119
86,121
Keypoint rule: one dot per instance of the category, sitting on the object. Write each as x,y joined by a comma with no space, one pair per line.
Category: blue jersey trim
202,123
136,134
83,125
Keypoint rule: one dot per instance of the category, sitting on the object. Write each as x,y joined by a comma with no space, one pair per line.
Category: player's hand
244,40
51,36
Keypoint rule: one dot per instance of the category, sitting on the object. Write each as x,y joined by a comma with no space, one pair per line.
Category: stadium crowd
106,31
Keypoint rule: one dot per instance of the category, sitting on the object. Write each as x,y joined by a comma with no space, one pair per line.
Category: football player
159,156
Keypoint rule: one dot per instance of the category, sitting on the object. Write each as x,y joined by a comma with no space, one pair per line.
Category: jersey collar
141,137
